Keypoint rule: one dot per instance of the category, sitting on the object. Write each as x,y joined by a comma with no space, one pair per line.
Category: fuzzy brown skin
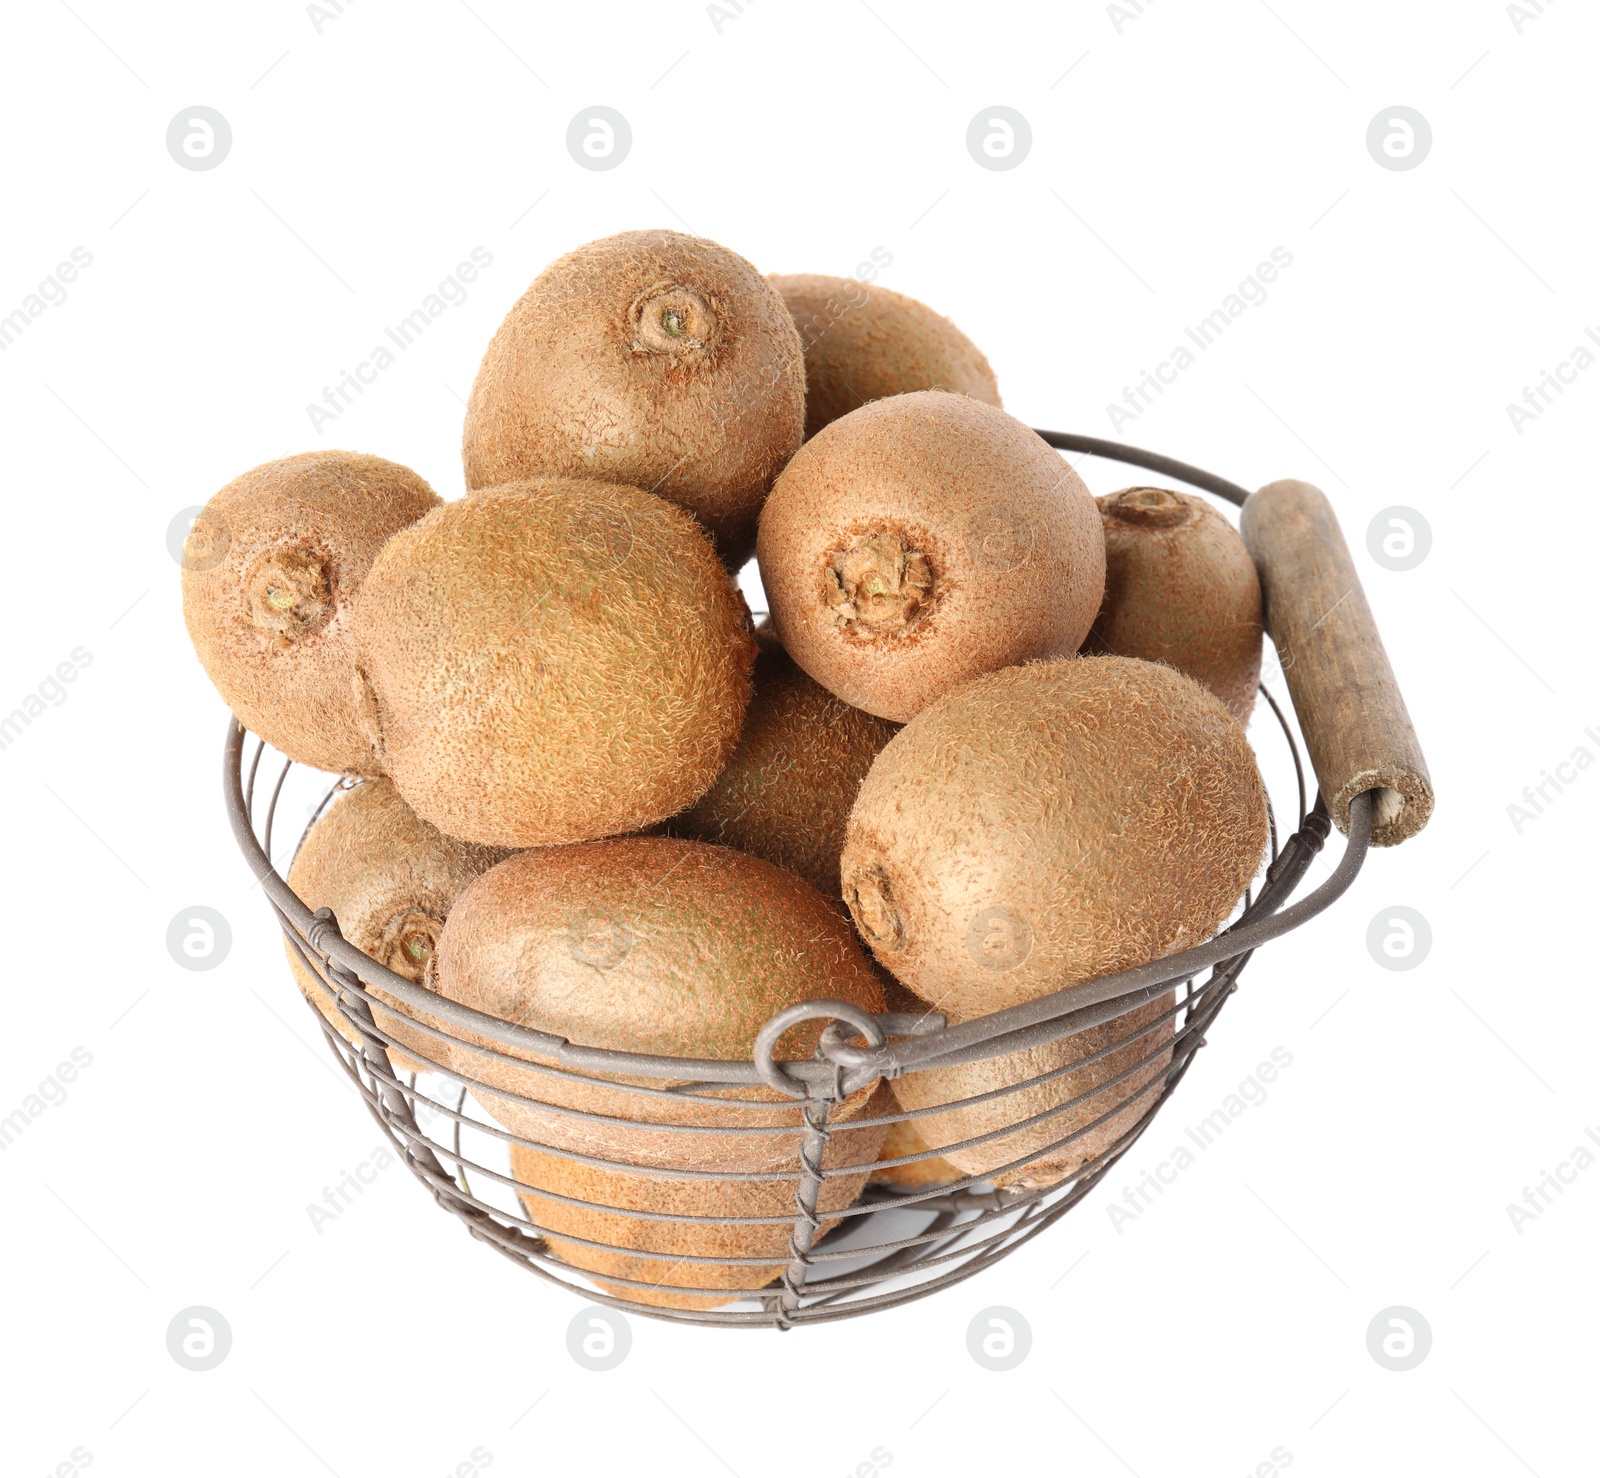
653,945
786,792
270,573
711,1198
863,342
1049,824
552,661
391,880
1181,588
1144,1058
904,1138
921,541
650,358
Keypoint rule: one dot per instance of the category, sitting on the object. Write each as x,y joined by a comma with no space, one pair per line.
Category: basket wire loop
776,1074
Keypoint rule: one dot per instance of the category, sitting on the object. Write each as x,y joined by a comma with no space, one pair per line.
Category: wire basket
839,1231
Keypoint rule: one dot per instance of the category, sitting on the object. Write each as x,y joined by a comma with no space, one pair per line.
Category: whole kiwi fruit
786,791
1090,1110
629,1239
863,342
552,661
270,573
1181,588
922,540
390,879
650,945
651,358
1048,824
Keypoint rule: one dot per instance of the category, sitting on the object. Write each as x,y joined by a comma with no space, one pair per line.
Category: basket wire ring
773,1072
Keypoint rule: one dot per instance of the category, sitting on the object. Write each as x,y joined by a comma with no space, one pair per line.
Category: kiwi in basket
649,945
1051,823
786,792
863,342
922,540
1107,1079
270,573
717,1237
390,879
552,661
905,1138
1181,588
650,358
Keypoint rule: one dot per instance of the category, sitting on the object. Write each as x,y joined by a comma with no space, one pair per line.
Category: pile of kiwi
988,745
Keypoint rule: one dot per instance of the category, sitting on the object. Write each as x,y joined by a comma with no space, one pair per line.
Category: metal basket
889,1246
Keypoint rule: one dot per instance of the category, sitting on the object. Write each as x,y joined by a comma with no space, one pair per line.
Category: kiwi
1048,824
650,945
1137,1044
904,1138
1181,588
863,342
650,358
719,1237
390,879
921,541
552,661
786,792
270,571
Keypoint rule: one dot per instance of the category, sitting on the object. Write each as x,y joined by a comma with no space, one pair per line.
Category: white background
1172,151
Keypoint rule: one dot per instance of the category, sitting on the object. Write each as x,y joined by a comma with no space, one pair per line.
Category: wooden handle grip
1352,715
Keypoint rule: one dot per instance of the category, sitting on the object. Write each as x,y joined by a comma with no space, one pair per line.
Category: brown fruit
390,879
552,661
1120,1105
1049,824
626,1237
921,541
649,945
863,342
650,358
270,571
787,789
905,1138
1181,588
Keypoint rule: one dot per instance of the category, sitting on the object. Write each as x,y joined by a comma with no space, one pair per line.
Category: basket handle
1355,722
